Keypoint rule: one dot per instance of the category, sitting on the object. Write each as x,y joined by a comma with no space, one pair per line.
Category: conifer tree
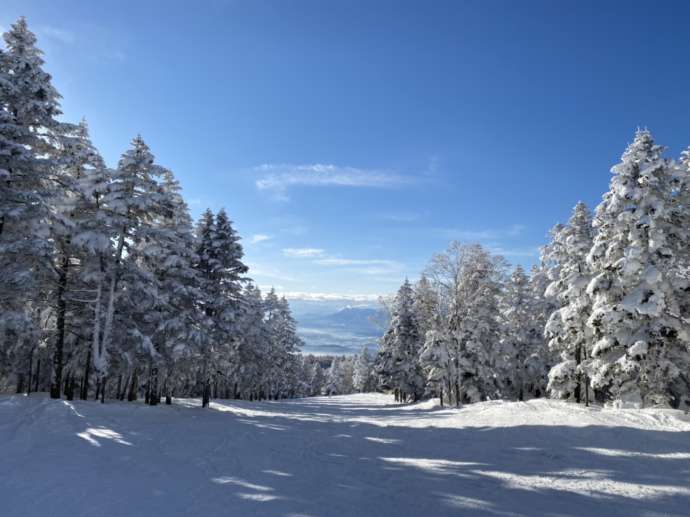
567,330
640,339
398,363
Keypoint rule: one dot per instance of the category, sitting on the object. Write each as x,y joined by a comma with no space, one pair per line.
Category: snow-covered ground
346,455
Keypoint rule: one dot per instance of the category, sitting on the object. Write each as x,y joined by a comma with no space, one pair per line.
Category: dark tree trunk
153,381
133,387
38,374
457,394
206,396
578,383
69,390
98,388
440,397
119,387
84,395
123,391
56,383
103,384
20,383
31,366
449,393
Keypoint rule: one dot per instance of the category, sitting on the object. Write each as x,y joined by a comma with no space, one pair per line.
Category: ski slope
346,455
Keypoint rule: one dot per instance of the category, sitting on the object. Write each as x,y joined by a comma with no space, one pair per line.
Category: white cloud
345,262
278,178
57,34
514,252
493,234
303,252
320,297
267,271
319,257
260,237
403,217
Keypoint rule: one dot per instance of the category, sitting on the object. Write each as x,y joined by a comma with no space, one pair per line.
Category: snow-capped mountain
339,327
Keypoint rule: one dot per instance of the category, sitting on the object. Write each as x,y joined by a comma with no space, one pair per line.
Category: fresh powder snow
341,455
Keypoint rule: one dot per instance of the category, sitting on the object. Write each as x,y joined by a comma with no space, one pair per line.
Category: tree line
604,316
107,287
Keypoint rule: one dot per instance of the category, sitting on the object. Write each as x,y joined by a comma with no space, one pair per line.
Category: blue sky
350,140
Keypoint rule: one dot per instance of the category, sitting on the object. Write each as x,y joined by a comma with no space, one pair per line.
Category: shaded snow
345,455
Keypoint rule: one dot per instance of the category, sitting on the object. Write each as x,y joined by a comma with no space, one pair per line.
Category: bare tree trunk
98,388
119,386
20,383
578,384
449,392
123,393
56,378
84,395
69,390
31,361
103,384
38,374
457,393
441,395
133,387
153,395
205,395
168,391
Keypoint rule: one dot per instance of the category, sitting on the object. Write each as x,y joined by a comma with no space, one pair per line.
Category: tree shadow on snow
320,457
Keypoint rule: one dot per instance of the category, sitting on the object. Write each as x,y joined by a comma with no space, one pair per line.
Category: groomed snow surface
346,455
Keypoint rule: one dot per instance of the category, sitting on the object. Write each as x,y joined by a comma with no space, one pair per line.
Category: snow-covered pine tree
253,348
474,324
521,340
132,201
29,106
221,269
339,376
640,339
79,234
284,345
363,374
398,362
171,319
435,360
426,304
316,376
569,336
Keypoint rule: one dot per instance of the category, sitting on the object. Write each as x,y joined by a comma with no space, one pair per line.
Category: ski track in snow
339,456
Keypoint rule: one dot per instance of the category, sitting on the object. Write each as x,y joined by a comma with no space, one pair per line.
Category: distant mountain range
337,327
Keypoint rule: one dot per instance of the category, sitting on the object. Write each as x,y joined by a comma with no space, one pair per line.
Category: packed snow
342,455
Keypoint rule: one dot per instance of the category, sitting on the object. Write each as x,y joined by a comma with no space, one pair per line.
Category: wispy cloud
266,271
55,33
409,217
303,252
515,252
260,237
319,257
345,262
278,178
484,235
322,297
